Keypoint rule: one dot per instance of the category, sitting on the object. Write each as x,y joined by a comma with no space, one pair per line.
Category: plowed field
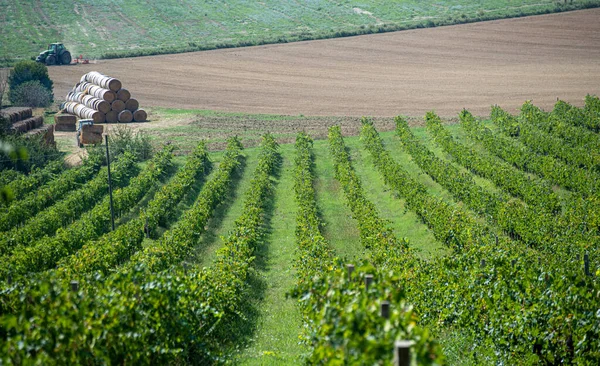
469,66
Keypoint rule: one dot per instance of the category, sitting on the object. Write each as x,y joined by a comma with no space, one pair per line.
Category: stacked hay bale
22,119
47,131
103,99
65,122
23,122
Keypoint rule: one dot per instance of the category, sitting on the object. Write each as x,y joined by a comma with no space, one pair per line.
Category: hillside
446,69
114,28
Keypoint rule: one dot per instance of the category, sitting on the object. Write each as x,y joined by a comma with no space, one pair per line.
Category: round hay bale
117,105
112,117
123,94
98,117
140,115
125,116
96,91
132,105
103,106
101,80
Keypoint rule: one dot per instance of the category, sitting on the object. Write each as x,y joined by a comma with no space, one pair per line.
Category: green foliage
565,122
27,71
338,310
515,153
48,194
516,182
451,225
492,299
177,243
24,184
46,252
26,153
192,26
137,316
31,94
503,294
4,129
117,246
545,143
36,225
124,139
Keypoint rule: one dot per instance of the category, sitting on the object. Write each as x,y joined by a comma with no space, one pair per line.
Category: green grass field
103,29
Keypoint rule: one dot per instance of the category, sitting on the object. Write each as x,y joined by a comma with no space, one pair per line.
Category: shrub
125,139
31,94
25,153
25,71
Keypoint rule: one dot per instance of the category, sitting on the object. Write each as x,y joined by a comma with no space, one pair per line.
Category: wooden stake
402,353
350,268
368,281
586,264
112,213
385,309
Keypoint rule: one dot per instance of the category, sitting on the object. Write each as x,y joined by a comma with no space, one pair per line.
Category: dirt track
469,66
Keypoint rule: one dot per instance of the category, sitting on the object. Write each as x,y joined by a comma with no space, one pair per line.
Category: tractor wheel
65,58
50,60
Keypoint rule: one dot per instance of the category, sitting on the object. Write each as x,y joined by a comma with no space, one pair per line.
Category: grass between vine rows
275,323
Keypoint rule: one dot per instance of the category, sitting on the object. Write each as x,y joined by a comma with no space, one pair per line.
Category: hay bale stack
96,91
84,112
106,95
47,131
89,101
101,80
16,114
28,124
65,122
91,134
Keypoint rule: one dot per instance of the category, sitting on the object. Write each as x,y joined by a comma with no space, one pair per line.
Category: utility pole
112,213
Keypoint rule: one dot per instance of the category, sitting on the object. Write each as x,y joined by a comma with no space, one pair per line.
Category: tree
25,71
3,84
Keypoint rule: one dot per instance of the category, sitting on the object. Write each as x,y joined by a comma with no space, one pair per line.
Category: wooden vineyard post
402,355
586,264
368,281
385,309
350,268
112,213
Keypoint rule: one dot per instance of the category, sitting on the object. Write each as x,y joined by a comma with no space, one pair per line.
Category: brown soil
469,66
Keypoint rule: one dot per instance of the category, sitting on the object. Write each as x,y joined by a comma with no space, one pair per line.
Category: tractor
56,54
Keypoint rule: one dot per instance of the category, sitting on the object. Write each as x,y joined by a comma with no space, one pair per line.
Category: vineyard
475,242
